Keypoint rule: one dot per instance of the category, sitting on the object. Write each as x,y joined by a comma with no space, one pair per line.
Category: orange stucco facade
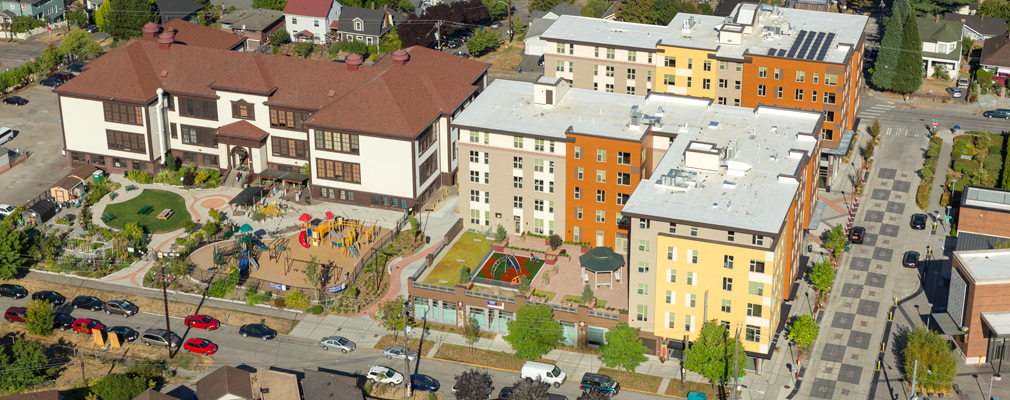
602,173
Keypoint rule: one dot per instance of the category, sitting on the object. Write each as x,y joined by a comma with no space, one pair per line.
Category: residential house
151,394
311,20
374,135
318,385
256,24
275,385
977,317
49,10
996,57
978,27
540,21
190,34
177,9
941,44
226,382
46,395
366,25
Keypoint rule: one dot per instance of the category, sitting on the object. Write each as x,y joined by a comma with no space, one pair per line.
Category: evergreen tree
126,17
908,76
886,66
640,11
13,244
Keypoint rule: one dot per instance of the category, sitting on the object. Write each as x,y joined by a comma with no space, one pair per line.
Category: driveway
39,131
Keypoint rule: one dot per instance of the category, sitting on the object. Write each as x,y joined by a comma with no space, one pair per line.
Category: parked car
15,314
463,54
546,373
424,382
910,260
997,113
91,29
200,321
495,25
62,75
918,221
540,61
77,66
86,326
257,330
6,209
337,342
51,82
202,346
54,298
857,234
16,100
963,83
600,382
454,43
399,353
160,337
88,303
63,321
12,290
125,332
955,92
380,374
121,307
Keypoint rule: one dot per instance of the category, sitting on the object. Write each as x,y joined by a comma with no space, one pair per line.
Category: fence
37,31
437,288
556,307
603,314
495,283
490,296
449,236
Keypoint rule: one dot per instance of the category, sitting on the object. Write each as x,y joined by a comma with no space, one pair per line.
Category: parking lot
38,129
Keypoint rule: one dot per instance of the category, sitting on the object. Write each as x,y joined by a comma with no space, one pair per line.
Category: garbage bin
847,247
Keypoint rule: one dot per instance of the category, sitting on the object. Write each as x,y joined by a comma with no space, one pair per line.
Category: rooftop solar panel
771,52
782,53
825,47
815,48
797,43
806,44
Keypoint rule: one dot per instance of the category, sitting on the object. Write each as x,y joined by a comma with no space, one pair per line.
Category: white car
399,353
337,342
380,374
6,209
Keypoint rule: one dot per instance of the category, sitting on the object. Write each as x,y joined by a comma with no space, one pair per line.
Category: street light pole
164,296
915,370
991,379
406,348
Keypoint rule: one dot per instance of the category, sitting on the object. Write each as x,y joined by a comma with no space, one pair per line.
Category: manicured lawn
469,250
420,347
126,212
634,380
487,358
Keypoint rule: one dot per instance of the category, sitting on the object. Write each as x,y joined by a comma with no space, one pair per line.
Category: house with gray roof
941,44
996,57
365,24
978,27
256,24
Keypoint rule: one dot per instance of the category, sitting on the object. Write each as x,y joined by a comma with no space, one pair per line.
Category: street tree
623,350
125,18
13,245
80,44
24,23
483,41
78,17
886,66
471,331
933,353
474,385
711,355
908,77
534,332
420,30
835,240
39,319
497,8
823,276
803,331
391,315
25,367
529,389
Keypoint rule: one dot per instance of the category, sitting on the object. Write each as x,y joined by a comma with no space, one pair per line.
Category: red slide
301,239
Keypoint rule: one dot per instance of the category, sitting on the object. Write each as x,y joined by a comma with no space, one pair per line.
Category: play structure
508,267
349,235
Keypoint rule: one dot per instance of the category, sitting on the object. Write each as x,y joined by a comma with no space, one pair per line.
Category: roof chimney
151,30
221,13
353,61
166,39
400,57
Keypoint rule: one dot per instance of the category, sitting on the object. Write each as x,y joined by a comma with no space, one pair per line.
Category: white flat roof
986,266
572,28
999,321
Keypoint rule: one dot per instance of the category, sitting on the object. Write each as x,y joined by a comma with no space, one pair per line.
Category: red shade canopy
329,215
305,218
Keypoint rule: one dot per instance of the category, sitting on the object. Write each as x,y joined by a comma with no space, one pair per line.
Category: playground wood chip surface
503,267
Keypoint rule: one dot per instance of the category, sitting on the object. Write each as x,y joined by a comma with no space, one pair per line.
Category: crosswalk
874,112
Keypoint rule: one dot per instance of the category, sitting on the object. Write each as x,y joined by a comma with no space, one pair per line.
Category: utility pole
736,361
510,21
164,296
683,370
406,347
915,371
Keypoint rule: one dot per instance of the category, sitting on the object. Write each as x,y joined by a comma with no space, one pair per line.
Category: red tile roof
192,34
386,98
309,8
242,129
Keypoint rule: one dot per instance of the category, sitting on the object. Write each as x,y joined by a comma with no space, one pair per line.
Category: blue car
424,382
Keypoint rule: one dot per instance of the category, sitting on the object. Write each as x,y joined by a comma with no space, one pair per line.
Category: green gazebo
601,260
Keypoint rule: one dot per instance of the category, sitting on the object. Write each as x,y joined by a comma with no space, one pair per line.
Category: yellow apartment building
686,71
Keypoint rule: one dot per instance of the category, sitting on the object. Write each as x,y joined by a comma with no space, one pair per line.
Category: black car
77,66
51,82
16,100
127,333
911,259
12,290
88,303
424,382
52,297
454,43
62,75
857,234
63,321
919,221
91,29
257,330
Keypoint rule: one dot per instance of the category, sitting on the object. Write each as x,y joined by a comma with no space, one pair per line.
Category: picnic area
154,210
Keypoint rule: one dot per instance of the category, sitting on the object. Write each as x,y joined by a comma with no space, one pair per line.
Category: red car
202,322
84,325
15,314
202,346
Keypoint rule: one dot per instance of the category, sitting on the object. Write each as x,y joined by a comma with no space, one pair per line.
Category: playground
509,267
336,243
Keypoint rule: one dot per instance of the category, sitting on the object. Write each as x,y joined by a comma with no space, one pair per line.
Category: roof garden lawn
986,164
469,250
126,212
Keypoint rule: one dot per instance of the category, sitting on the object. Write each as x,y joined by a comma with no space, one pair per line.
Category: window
517,142
670,62
487,177
623,179
601,176
689,323
631,74
126,141
670,295
727,306
578,152
816,75
671,275
723,83
671,253
610,54
757,266
338,170
690,63
799,95
736,102
643,313
831,79
578,213
123,113
756,288
517,182
722,65
338,142
778,92
596,51
691,279
517,202
475,195
579,173
753,310
577,193
474,156
694,231
601,155
829,98
829,116
286,119
813,96
242,110
643,245
778,73
727,284
736,85
632,56
800,76
609,88
721,100
474,176
827,134
475,217
691,300
762,72
757,240
208,159
596,71
753,333
175,131
706,65
669,79
517,162
706,83
198,136
561,48
559,66
730,236
629,89
538,185
474,137
673,227
290,148
623,158
601,196
689,81
643,267
538,165
648,76
622,198
694,256
739,66
601,216
538,144
727,262
643,288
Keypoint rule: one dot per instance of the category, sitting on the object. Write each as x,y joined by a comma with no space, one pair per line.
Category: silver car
399,353
337,342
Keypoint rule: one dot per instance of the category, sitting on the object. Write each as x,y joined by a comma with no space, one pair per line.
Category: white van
546,373
6,134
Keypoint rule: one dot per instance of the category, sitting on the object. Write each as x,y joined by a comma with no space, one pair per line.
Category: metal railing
437,288
490,296
495,283
603,314
556,307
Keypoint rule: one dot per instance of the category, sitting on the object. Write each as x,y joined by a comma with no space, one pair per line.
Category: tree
497,8
132,235
126,17
28,367
474,385
967,45
119,387
102,16
471,331
313,275
595,8
519,28
390,42
886,66
24,23
80,44
534,332
483,41
529,389
935,7
500,234
304,49
803,330
667,9
39,319
640,11
78,17
823,276
835,240
524,284
555,241
995,9
908,77
464,274
711,355
595,395
391,315
587,293
419,30
623,348
542,5
270,4
279,37
13,245
934,355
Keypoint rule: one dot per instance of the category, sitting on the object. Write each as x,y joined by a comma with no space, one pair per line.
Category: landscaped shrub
964,166
297,300
139,176
922,195
279,302
316,309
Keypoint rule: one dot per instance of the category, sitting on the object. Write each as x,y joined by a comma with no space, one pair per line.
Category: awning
815,220
999,323
843,145
277,175
247,196
946,324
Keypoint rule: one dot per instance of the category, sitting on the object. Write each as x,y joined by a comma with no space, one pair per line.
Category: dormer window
359,25
242,110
